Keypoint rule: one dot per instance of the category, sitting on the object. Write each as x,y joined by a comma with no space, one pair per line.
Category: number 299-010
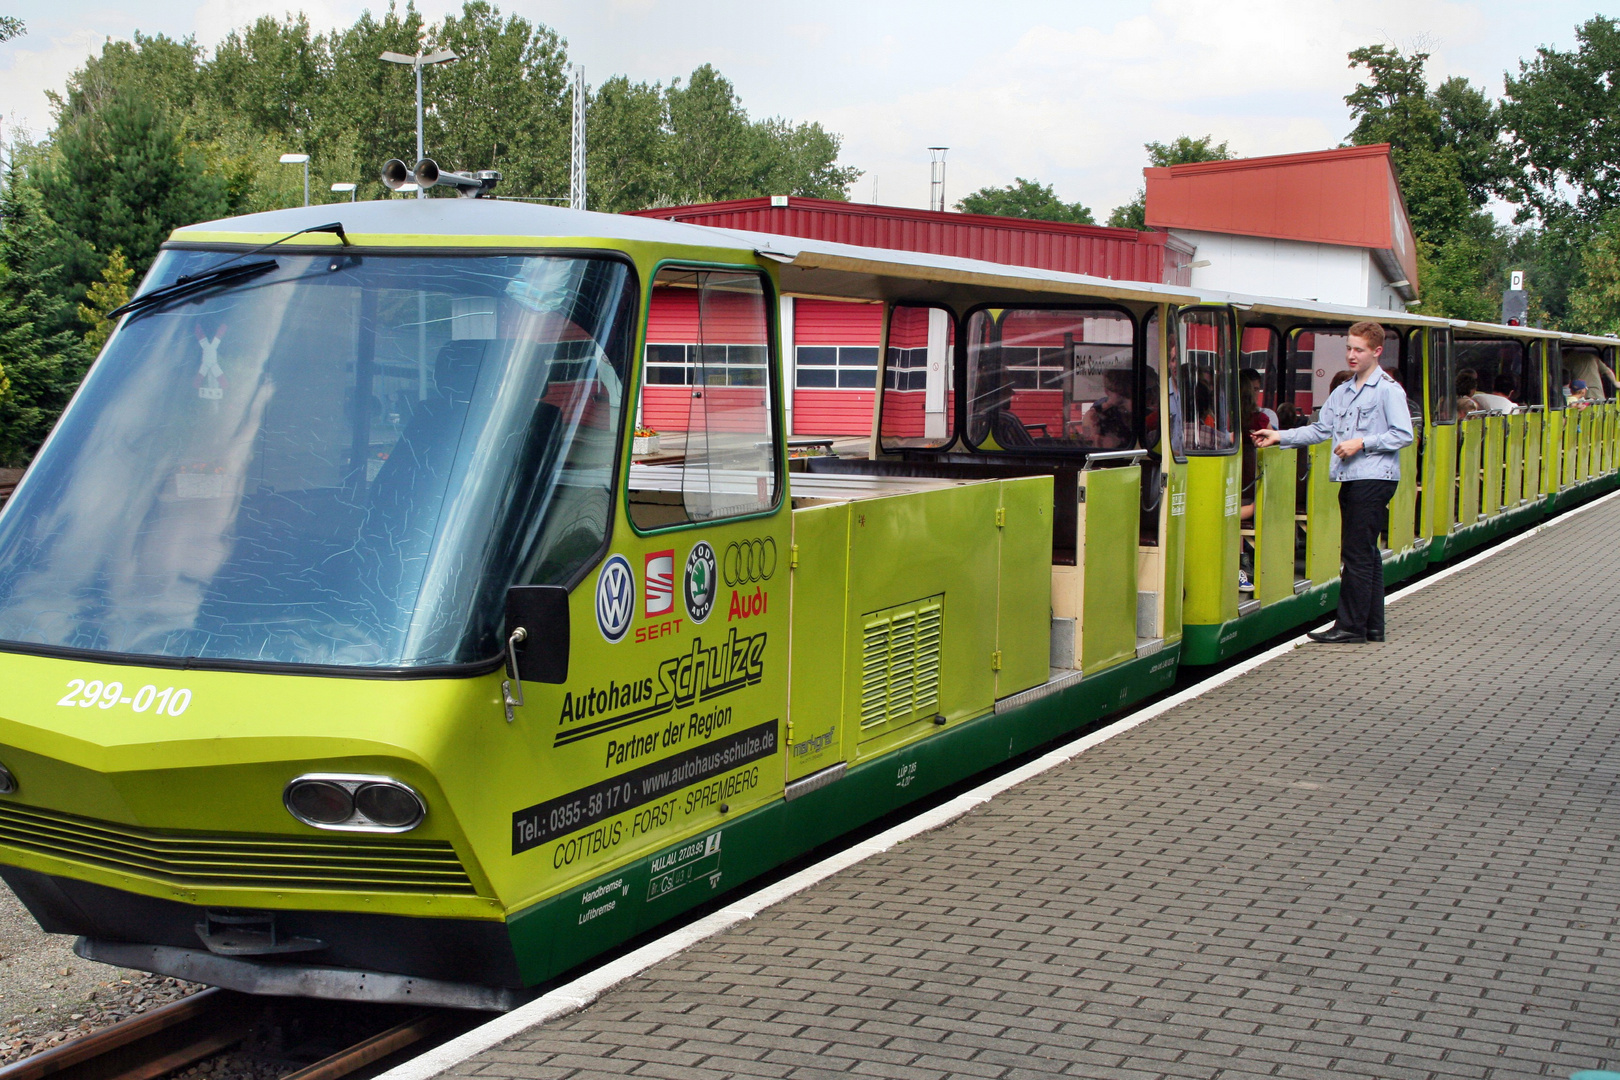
100,695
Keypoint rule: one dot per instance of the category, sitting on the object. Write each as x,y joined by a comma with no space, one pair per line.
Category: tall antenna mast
576,171
936,178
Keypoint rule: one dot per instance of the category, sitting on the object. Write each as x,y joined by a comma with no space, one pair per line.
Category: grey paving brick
1173,904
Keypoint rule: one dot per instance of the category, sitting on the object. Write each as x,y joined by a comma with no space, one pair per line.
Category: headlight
8,783
354,803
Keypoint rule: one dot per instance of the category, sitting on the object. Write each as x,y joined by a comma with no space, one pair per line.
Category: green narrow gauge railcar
357,639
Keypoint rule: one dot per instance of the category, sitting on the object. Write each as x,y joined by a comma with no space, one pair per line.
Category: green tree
123,175
1594,303
41,349
1444,147
10,27
110,291
626,155
164,71
712,146
800,159
1183,150
1562,115
505,103
1025,199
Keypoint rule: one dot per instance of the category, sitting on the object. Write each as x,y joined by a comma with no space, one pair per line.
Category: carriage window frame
1552,366
1169,420
771,297
964,406
955,377
1442,374
1227,356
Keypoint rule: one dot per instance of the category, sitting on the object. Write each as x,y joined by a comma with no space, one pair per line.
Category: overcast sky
1062,92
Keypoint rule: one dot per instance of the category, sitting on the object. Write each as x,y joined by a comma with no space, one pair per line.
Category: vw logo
748,561
615,598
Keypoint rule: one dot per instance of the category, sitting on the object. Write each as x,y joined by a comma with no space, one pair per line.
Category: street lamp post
420,61
344,185
299,159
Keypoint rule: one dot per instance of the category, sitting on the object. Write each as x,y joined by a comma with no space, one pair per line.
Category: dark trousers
1363,515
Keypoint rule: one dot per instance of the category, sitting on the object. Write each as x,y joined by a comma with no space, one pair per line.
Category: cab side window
919,381
707,392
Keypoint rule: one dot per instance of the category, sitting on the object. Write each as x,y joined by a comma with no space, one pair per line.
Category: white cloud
1071,104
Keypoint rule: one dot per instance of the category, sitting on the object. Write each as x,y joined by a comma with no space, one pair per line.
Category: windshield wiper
192,283
230,270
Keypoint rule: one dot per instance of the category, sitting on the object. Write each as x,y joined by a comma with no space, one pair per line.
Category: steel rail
147,1046
379,1046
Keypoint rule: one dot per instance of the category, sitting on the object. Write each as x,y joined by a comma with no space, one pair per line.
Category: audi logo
748,561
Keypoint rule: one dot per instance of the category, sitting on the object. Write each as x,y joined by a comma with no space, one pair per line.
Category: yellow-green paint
1403,505
1276,468
1111,510
1439,480
1552,454
819,586
1472,434
1024,599
1321,518
220,767
1214,495
1533,424
1513,477
1173,542
1571,441
1493,463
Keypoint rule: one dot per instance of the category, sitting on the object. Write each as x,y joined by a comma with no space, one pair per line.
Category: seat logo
749,561
659,580
615,598
700,585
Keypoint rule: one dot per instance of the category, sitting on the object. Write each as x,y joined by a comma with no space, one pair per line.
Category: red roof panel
1349,196
1123,254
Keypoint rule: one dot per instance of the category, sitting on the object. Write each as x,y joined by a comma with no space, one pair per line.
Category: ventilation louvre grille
238,861
900,655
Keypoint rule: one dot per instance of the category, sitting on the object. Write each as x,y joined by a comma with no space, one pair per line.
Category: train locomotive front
252,599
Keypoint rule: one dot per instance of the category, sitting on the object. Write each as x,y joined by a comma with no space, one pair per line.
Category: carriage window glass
1442,395
1259,376
919,395
1152,332
1051,379
1585,364
345,461
707,395
1208,381
1490,371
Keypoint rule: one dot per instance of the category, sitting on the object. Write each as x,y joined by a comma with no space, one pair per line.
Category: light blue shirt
1374,412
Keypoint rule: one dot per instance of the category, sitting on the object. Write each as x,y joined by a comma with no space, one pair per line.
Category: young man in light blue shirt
1368,421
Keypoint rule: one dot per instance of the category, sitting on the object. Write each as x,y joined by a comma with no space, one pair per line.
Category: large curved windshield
344,461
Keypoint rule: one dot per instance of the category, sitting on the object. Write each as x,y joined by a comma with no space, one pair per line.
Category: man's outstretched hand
1266,437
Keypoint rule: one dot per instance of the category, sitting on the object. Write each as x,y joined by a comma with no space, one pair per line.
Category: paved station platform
1390,861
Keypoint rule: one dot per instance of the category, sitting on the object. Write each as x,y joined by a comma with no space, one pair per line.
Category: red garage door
836,365
734,340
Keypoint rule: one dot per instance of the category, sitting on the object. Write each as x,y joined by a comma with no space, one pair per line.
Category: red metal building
832,369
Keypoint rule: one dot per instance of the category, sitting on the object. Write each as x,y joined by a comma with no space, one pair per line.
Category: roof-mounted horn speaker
395,174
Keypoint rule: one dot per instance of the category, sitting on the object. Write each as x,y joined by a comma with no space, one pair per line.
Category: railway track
214,1021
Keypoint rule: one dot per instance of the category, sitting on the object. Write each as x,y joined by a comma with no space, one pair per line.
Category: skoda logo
701,584
748,561
615,597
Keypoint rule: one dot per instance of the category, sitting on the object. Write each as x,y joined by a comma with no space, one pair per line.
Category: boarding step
1248,607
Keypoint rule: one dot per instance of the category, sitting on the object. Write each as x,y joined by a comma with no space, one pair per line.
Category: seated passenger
1579,395
1502,400
1467,383
1108,425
